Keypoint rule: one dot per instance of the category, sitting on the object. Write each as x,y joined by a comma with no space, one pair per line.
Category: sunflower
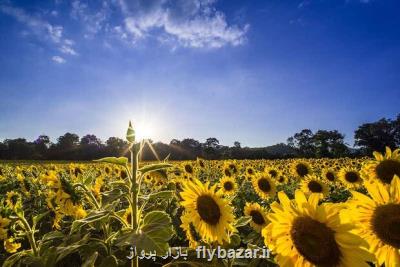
11,246
258,216
107,170
383,168
4,222
264,185
201,163
51,179
350,177
273,172
127,216
378,220
123,174
96,189
58,216
148,179
312,184
228,185
300,169
303,233
13,199
250,172
210,214
281,179
188,168
330,175
191,234
230,168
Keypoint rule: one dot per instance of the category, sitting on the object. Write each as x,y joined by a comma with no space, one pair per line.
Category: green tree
303,143
377,135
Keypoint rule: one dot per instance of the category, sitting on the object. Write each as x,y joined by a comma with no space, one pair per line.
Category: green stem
90,195
30,235
134,194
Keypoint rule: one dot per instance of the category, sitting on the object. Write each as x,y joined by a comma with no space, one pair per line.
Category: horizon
141,135
254,73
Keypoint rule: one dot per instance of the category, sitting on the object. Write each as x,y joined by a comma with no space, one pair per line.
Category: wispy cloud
41,28
58,59
187,23
190,23
93,20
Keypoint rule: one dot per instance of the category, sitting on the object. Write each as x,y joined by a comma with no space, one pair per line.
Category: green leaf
130,133
89,262
94,216
119,161
51,236
63,251
235,241
154,167
13,259
49,240
153,236
120,184
161,195
49,257
253,235
38,217
242,221
109,261
110,196
89,180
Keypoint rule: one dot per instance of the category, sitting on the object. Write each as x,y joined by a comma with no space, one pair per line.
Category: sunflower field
120,212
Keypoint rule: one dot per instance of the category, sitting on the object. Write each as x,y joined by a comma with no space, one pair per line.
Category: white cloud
41,28
94,21
58,59
188,23
68,50
191,23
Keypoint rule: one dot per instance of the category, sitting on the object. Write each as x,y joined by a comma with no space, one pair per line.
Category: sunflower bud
130,134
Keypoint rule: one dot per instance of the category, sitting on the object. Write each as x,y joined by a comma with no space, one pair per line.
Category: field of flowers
308,212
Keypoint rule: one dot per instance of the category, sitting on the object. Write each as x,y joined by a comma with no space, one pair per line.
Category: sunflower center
301,170
227,172
273,173
330,176
201,163
123,174
188,169
281,179
257,217
14,199
264,185
351,177
208,210
387,169
386,224
315,187
228,186
315,242
233,168
129,217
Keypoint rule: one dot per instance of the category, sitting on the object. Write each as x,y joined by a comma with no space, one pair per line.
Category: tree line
369,137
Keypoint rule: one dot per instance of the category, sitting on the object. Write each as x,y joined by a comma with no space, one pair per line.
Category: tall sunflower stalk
134,185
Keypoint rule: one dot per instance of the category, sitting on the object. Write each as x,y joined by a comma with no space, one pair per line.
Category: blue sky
252,71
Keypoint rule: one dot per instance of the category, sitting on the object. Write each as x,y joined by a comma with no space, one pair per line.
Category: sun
145,130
